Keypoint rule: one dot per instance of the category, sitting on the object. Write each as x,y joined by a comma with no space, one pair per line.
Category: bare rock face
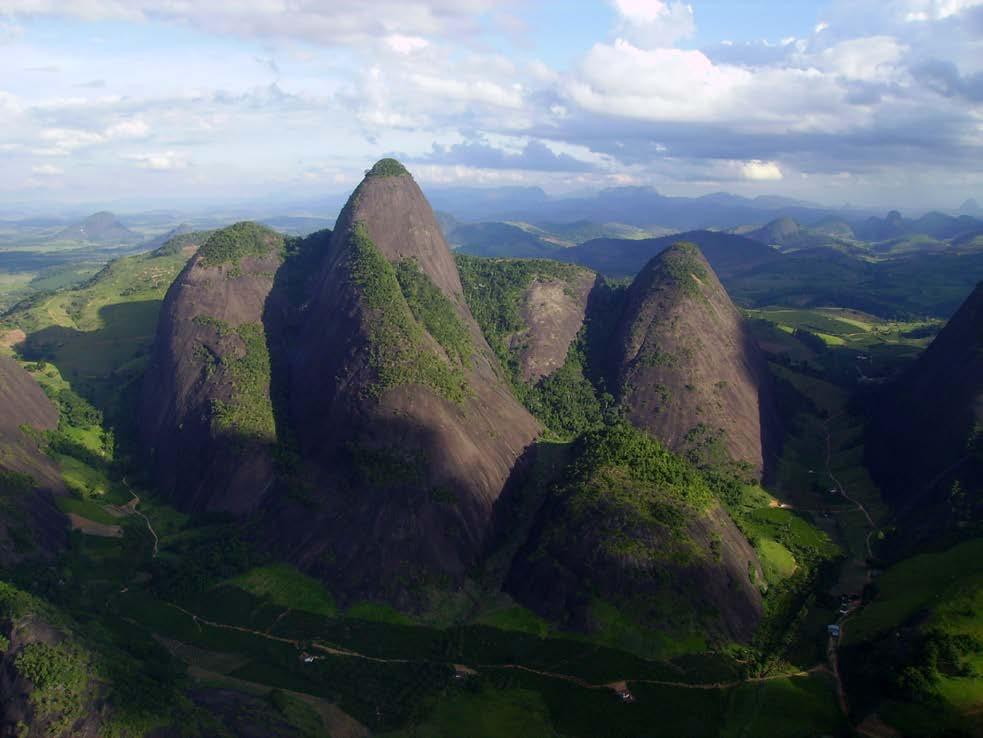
207,411
407,430
24,404
554,311
30,523
686,367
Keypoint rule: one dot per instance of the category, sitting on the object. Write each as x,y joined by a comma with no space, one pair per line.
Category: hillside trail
133,504
614,685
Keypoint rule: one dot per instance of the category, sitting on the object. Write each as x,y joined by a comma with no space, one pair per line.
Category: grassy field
848,347
777,562
285,586
930,582
98,334
898,641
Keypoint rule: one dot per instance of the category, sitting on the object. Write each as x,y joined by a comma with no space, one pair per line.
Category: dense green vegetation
434,311
494,289
95,339
915,652
60,675
284,585
241,240
386,168
684,265
397,351
250,411
566,401
88,662
637,457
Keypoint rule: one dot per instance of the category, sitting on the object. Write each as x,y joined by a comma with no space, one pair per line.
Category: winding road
612,685
833,644
133,504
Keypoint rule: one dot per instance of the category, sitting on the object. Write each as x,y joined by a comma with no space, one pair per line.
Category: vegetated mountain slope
207,415
102,227
835,227
546,321
529,310
727,253
634,540
581,231
179,230
790,234
501,240
910,286
29,520
925,440
777,231
534,241
686,367
61,678
403,416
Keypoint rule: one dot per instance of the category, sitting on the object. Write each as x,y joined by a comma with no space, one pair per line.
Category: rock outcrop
207,413
405,425
686,367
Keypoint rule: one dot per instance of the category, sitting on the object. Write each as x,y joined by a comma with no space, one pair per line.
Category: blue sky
876,102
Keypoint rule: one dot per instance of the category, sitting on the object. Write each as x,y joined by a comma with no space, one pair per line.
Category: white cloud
653,23
658,84
385,75
483,91
63,141
932,10
335,22
761,170
159,161
874,58
47,170
402,44
130,128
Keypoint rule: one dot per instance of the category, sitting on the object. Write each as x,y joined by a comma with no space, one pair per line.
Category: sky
870,102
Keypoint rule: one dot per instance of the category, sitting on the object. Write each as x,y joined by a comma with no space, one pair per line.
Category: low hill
777,231
925,440
790,234
581,231
728,254
179,230
634,541
835,227
501,240
102,228
686,367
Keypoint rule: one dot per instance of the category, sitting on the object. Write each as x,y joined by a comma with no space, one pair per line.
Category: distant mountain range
646,208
